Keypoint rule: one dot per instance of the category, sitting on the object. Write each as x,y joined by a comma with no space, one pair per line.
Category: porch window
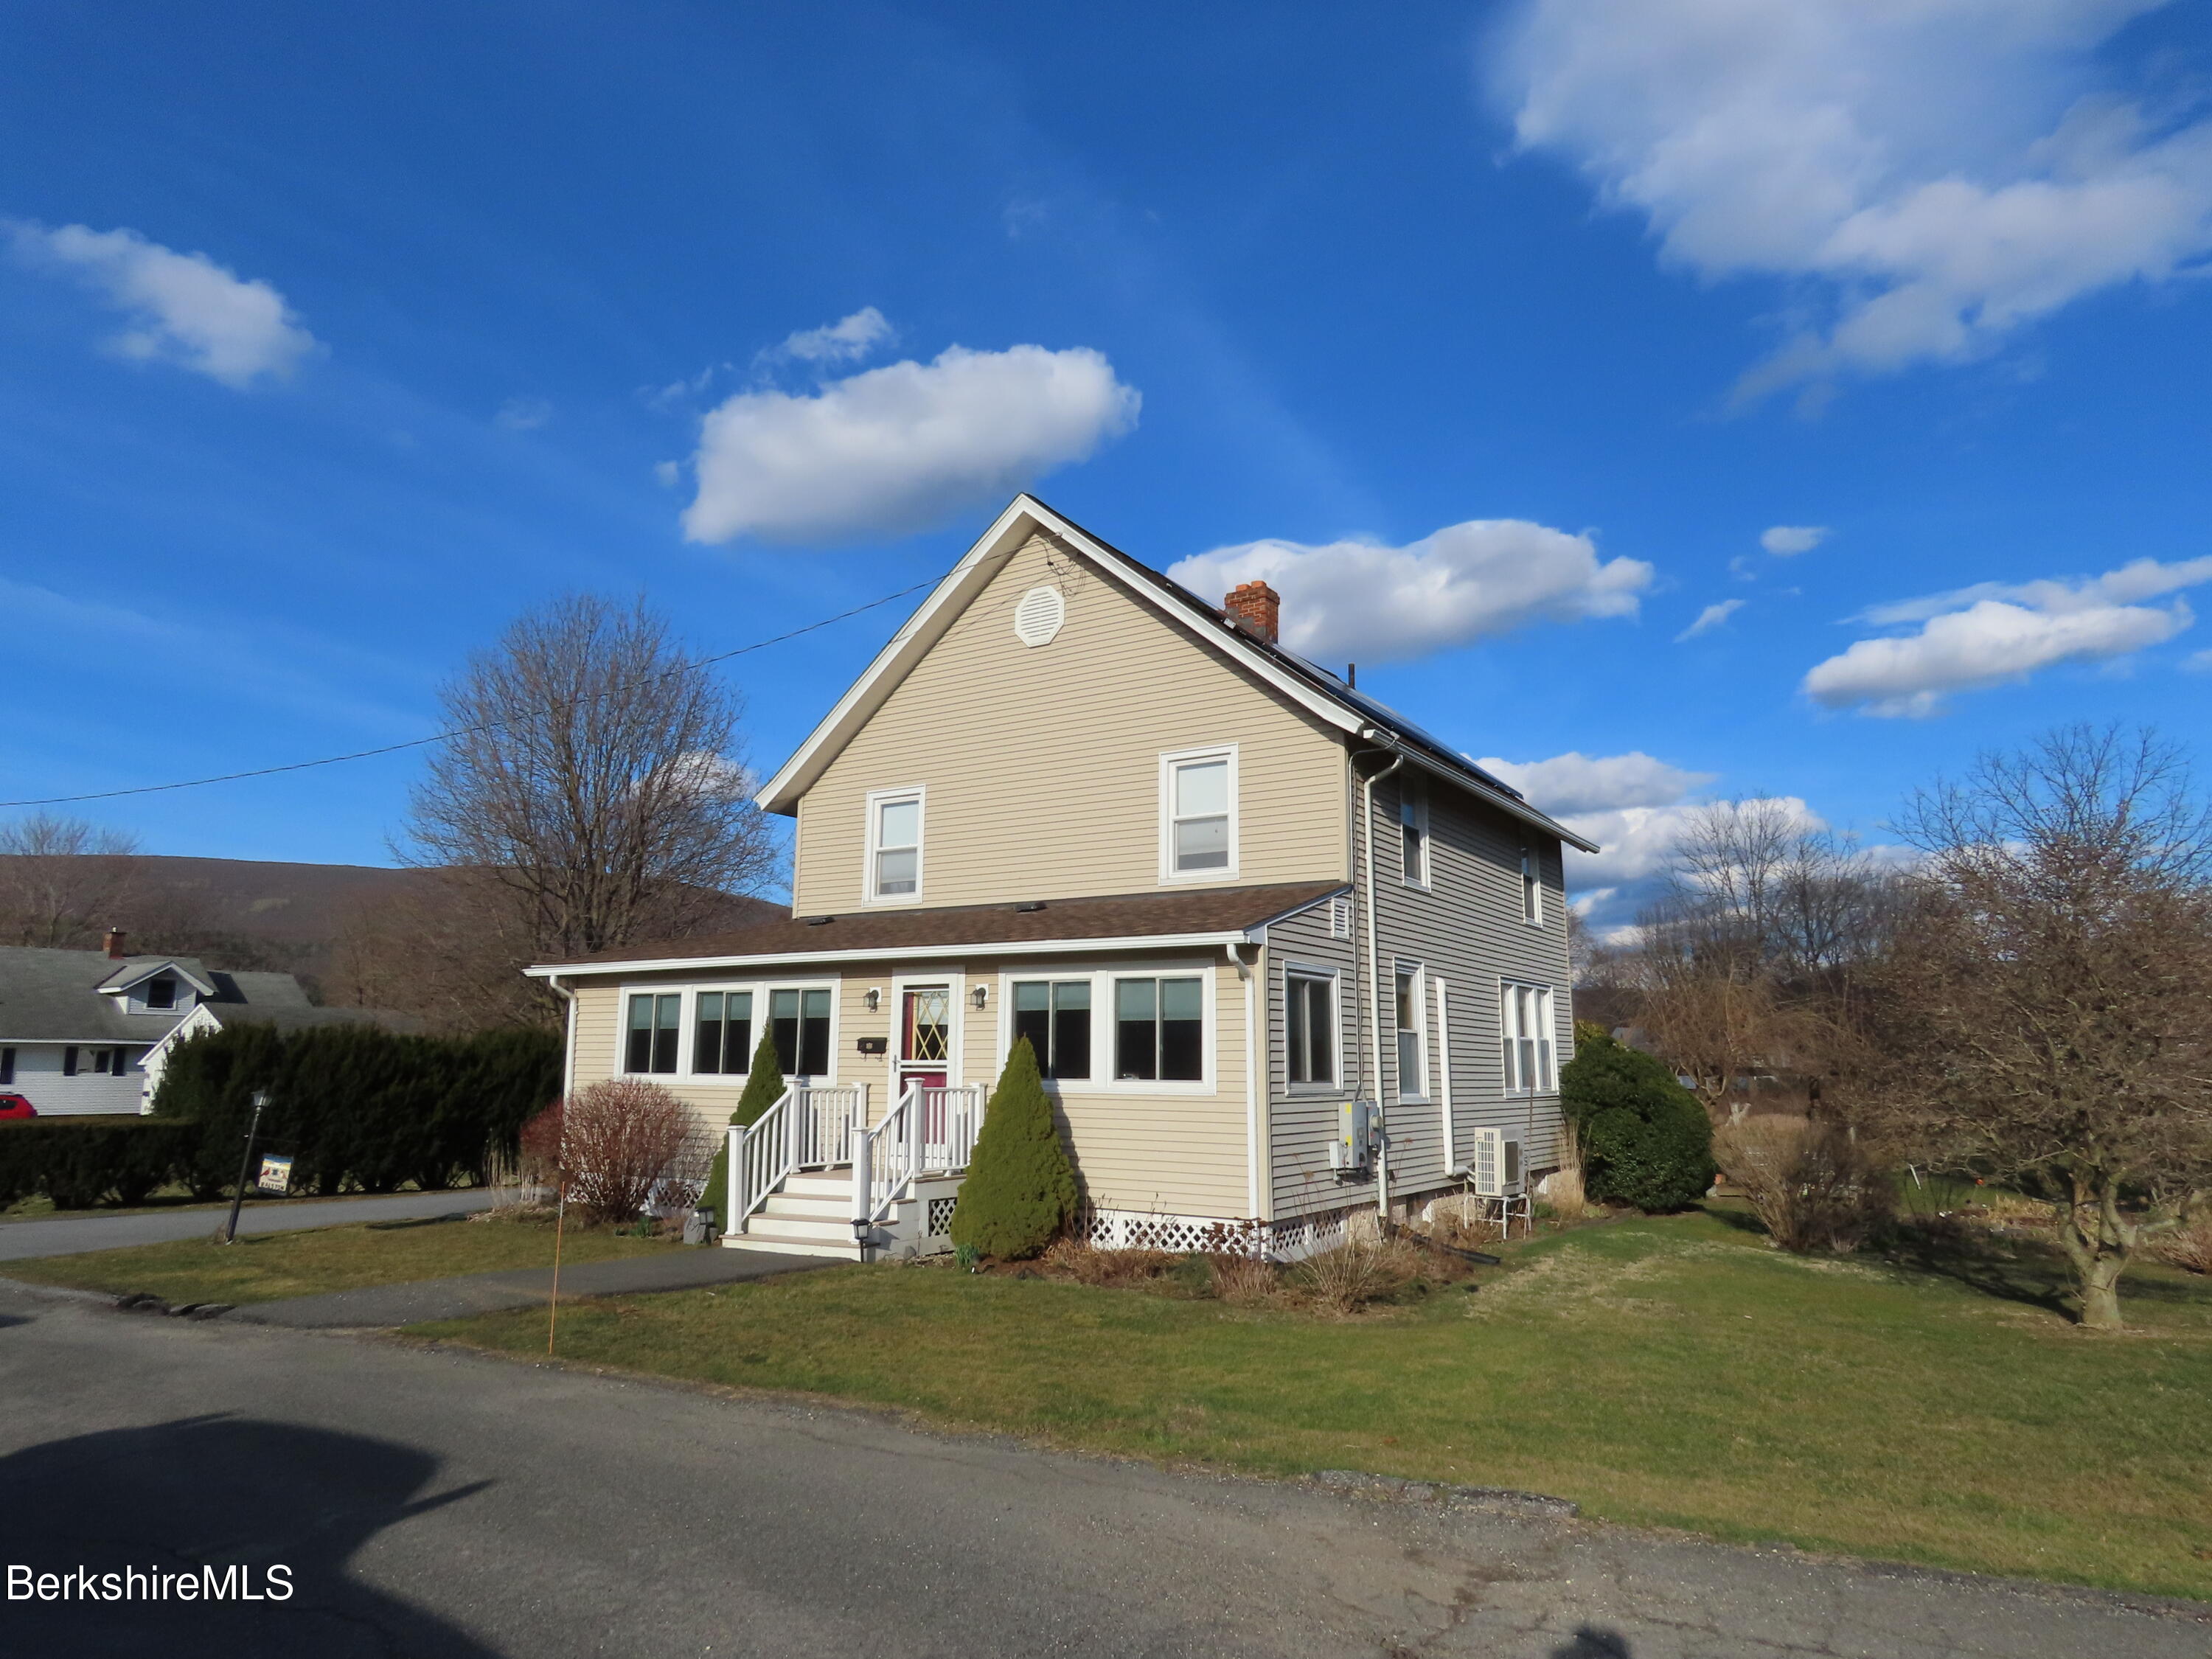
1054,1015
723,1035
1524,1022
1412,1078
895,846
1199,804
654,1023
1309,1028
1413,834
799,1021
1159,1030
161,993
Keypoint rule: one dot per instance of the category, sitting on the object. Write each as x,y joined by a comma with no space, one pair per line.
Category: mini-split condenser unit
1495,1170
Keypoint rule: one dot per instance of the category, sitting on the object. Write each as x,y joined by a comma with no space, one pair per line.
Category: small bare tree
2049,1004
596,774
626,1142
63,881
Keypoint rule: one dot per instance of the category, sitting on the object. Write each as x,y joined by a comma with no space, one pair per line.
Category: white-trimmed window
1412,1033
656,1020
1532,889
1159,1028
1309,1028
1054,1015
1198,814
722,1033
1413,834
1524,1023
895,846
161,993
799,1023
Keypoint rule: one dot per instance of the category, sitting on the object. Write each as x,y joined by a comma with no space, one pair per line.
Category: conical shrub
764,1088
1020,1191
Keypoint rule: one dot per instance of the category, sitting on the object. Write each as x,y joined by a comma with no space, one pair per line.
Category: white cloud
1787,540
2199,663
901,447
1999,632
845,341
1575,782
1372,603
523,414
1710,618
184,308
667,474
1941,171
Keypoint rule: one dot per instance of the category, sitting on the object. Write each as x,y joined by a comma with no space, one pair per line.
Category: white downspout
1251,1082
1374,988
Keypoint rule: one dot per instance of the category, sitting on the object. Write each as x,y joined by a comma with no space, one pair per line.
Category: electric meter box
1359,1126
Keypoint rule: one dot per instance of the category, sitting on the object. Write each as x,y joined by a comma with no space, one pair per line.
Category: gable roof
1204,916
62,996
137,970
1307,685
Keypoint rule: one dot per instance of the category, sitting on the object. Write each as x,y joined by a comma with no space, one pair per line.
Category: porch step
805,1206
829,1231
765,1236
817,1184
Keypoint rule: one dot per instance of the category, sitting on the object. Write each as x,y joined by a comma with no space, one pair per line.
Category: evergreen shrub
1020,1192
77,1162
764,1086
1646,1142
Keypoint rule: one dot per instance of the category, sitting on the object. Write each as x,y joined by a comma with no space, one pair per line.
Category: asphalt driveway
430,1502
20,1240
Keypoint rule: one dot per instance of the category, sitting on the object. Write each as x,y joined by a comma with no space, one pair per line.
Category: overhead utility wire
464,731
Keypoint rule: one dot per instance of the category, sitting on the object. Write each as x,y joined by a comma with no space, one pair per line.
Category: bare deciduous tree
63,881
2049,1005
597,777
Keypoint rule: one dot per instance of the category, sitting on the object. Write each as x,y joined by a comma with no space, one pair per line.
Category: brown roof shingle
1138,915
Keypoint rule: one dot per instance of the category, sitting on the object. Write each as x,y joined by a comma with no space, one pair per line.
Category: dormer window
161,993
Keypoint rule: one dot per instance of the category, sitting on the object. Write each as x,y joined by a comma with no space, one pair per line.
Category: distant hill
283,916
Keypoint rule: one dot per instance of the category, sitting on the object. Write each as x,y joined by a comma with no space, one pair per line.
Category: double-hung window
1413,834
1198,810
1524,1023
1412,1070
655,1019
722,1032
1159,1030
1309,1027
1054,1015
161,993
800,1023
1532,889
895,846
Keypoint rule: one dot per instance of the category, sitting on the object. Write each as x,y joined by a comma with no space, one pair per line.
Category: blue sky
1496,336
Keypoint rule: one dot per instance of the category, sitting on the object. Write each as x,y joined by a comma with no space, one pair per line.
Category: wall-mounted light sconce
980,995
873,996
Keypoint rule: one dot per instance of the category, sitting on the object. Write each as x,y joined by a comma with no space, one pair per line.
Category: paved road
433,1503
22,1239
427,1299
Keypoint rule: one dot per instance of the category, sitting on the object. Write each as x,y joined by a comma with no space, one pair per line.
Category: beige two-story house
1284,957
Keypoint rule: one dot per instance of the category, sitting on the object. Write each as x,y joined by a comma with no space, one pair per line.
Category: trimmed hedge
357,1107
1646,1140
80,1162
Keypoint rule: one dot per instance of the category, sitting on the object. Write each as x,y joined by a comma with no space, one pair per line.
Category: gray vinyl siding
1302,1124
1466,929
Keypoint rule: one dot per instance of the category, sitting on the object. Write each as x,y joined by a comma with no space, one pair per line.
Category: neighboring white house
77,1027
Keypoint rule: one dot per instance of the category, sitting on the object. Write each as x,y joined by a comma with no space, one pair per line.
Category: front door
924,1037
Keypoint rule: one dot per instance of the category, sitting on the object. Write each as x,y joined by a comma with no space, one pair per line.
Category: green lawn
1669,1372
264,1267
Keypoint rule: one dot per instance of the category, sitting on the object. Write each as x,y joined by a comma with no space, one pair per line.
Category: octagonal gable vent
1039,617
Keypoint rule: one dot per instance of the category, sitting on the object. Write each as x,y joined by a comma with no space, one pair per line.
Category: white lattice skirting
1153,1229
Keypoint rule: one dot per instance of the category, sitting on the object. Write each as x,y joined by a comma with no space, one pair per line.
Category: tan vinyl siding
1184,1153
1042,765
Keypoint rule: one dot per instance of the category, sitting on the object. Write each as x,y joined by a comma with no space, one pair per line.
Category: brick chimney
1257,609
115,951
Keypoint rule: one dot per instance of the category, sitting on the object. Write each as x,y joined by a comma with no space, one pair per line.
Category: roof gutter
1041,947
1519,809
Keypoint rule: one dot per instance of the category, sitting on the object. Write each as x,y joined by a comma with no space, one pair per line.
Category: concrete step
837,1206
819,1184
766,1236
839,1230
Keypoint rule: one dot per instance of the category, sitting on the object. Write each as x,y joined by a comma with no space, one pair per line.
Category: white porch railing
930,1131
810,1127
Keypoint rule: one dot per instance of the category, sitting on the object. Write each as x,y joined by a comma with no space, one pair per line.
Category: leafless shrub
1563,1189
625,1141
1246,1281
1345,1280
2190,1244
1809,1183
1087,1264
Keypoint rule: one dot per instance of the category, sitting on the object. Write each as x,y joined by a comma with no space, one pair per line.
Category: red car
16,1106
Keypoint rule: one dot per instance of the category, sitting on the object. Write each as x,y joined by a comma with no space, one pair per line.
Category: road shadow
201,1496
1592,1643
